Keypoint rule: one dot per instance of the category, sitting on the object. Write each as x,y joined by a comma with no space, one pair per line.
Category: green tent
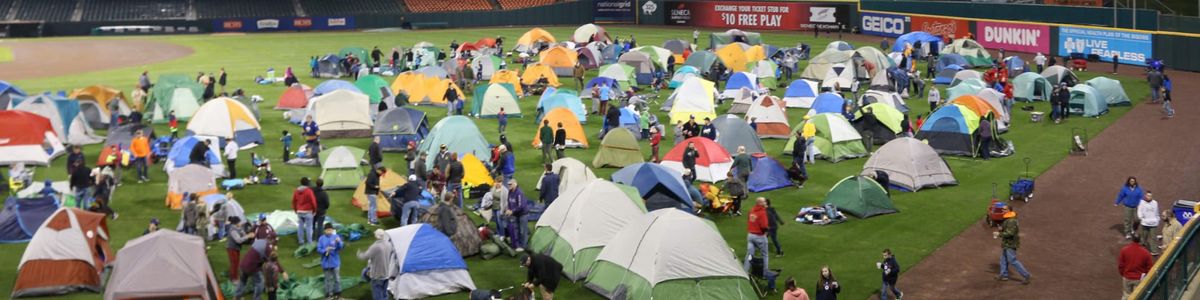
460,135
765,71
1110,90
718,39
618,149
1030,86
375,87
975,53
340,167
1086,101
489,99
701,60
835,140
886,114
861,197
360,53
970,86
622,73
174,92
581,221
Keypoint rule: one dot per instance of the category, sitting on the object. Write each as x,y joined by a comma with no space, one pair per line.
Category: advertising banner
289,23
615,11
1013,36
1129,47
759,15
651,12
888,25
946,27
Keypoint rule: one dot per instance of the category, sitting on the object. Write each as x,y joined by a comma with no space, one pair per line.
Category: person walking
371,188
655,139
549,186
546,137
1133,263
1010,239
1147,212
756,238
1130,197
808,131
1166,90
773,222
501,121
140,147
330,247
543,274
322,206
736,188
379,264
935,99
304,202
231,155
560,142
516,209
891,272
1155,79
286,142
827,285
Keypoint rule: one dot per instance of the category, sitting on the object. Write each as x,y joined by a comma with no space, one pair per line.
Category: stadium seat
4,6
244,8
443,5
46,10
101,10
516,4
349,7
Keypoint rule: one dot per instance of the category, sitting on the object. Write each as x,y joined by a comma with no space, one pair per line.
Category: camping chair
757,278
19,177
719,203
1079,140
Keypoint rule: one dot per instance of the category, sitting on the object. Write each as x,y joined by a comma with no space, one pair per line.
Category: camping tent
376,89
827,103
649,259
227,118
433,72
712,163
329,86
173,92
561,59
887,98
681,74
630,119
677,47
800,93
390,180
1087,101
1031,86
433,92
27,138
571,173
359,53
451,220
738,81
588,33
537,71
821,65
915,39
590,57
398,126
996,100
330,66
768,174
22,216
695,98
860,196
835,139
68,253
576,227
94,101
965,87
622,73
977,105
1058,74
551,101
963,75
485,66
509,77
409,83
294,97
701,60
576,138
340,168
910,164
662,187
189,179
949,130
528,41
64,115
426,264
167,264
459,134
489,99
841,76
733,132
342,113
1015,66
770,117
971,50
7,93
946,75
181,150
643,66
718,39
1110,90
618,149
658,55
733,56
765,70
888,122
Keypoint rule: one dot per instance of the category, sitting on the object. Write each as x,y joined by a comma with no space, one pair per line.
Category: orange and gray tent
294,97
227,118
576,138
94,102
27,138
190,179
561,59
531,38
169,264
67,254
536,72
769,113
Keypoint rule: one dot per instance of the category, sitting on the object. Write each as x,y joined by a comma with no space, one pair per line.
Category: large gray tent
910,164
733,131
398,126
163,264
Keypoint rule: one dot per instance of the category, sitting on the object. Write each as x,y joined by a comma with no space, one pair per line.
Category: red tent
712,163
24,138
295,97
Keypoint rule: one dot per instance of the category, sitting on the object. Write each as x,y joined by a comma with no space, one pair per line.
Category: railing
1174,270
1178,23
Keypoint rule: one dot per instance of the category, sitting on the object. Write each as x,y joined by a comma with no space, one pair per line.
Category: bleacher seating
350,7
46,10
515,4
101,10
4,6
244,8
446,5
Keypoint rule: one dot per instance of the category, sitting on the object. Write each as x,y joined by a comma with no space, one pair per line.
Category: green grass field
926,221
6,54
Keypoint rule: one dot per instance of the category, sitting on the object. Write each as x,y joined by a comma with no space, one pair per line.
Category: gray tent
676,46
398,126
910,164
123,135
148,258
733,131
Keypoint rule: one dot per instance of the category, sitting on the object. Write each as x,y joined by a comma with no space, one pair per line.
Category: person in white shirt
1147,212
231,152
695,37
935,98
1040,60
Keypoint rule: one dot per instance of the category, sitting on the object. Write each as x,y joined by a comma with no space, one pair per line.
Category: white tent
227,118
27,138
342,111
425,263
695,98
68,123
577,225
840,76
571,173
890,98
910,164
801,93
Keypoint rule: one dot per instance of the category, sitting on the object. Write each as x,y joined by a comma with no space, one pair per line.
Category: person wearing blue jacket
1129,196
510,165
330,247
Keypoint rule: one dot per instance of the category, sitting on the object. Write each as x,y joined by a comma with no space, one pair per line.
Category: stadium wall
1095,16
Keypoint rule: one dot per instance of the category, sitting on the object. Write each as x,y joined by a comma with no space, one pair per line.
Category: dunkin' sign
1013,36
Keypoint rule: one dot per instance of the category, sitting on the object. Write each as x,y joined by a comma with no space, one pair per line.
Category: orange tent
559,57
537,71
509,77
433,92
576,138
295,97
103,95
977,105
408,82
68,252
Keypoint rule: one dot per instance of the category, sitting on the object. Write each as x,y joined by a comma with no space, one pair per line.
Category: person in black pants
543,272
773,222
689,162
322,205
985,137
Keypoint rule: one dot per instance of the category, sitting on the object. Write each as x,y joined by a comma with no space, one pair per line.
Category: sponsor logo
232,24
337,22
1012,36
268,24
822,14
649,7
883,24
680,14
302,23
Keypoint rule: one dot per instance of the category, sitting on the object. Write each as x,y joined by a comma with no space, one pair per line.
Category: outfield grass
926,220
6,54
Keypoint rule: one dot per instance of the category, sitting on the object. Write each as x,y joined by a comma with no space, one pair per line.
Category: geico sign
883,24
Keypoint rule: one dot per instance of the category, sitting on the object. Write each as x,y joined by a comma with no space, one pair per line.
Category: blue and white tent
181,152
682,75
332,85
736,82
827,103
425,264
22,217
8,92
915,39
800,93
661,186
563,99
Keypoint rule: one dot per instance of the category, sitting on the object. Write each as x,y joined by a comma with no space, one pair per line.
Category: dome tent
460,135
68,253
618,149
733,132
426,263
398,126
801,93
340,167
1031,86
662,187
910,164
835,139
163,252
770,117
768,175
712,164
28,138
1087,101
1110,90
575,228
226,118
950,129
489,99
861,197
64,115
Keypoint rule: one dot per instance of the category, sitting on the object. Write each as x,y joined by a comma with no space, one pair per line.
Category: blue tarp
768,175
181,151
653,179
332,85
828,103
22,217
799,88
915,38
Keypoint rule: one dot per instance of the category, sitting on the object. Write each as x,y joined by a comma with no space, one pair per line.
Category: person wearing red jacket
304,202
756,234
1134,263
655,139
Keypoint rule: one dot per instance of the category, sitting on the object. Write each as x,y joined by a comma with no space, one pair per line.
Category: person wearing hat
330,247
543,273
1010,239
379,262
407,201
439,160
263,230
691,129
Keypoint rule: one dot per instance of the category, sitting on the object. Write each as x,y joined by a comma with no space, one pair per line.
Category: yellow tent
536,71
756,53
733,57
433,92
103,95
390,180
408,82
475,174
509,77
559,57
576,138
535,35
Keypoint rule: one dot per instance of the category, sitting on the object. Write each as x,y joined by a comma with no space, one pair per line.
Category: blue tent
8,92
659,185
915,38
628,116
740,80
21,218
427,263
898,76
562,99
332,85
828,103
680,75
948,130
601,81
799,88
946,75
181,151
768,175
396,127
1015,66
951,59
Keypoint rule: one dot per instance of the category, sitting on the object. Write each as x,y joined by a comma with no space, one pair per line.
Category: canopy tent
649,259
701,60
1087,101
860,196
8,92
770,117
168,264
389,181
561,59
425,263
537,71
887,98
68,253
835,139
765,70
190,179
576,227
712,162
887,122
342,113
485,66
397,127
820,66
509,77
738,81
915,39
718,39
910,164
562,100
827,103
376,89
949,130
340,167
733,132
64,116
618,149
576,138
95,102
733,56
588,33
643,66
768,175
965,87
571,173
1058,74
946,75
1031,86
489,99
460,135
27,138
294,97
182,148
963,75
695,98
1110,90
682,74
662,187
22,216
801,93
971,50
226,118
528,41
173,92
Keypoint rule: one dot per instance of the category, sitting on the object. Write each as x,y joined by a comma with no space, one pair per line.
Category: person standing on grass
286,141
1010,239
736,188
689,161
222,79
808,131
773,222
304,202
375,153
756,235
743,165
322,205
371,188
140,147
231,155
546,137
1133,263
81,184
454,178
827,285
330,247
1147,212
272,271
793,292
549,188
1130,197
516,208
560,141
410,156
678,133
985,137
655,139
379,264
799,147
891,272
502,120
312,133
237,237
